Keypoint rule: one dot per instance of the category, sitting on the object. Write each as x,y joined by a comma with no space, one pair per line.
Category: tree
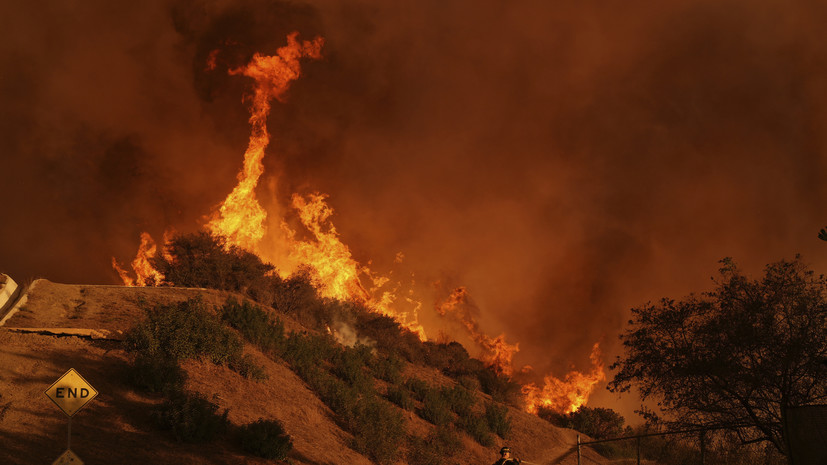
738,355
599,423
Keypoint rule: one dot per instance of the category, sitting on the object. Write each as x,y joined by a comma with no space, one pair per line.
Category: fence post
703,446
638,450
578,449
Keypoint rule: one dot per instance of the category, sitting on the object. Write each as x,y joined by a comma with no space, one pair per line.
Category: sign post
70,393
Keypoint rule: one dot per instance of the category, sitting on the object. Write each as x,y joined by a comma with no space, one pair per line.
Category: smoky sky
563,162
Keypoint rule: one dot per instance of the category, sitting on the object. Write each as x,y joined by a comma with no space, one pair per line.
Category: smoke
561,162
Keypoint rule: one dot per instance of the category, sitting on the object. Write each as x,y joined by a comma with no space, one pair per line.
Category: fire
240,218
241,221
568,394
336,273
498,353
145,273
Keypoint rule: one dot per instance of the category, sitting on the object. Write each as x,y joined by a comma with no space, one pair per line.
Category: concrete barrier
7,289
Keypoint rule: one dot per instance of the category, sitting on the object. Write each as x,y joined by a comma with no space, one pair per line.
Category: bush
477,428
191,417
435,408
265,438
255,325
380,430
501,388
157,374
246,367
304,350
349,364
459,399
440,444
204,260
181,331
497,418
388,368
401,397
390,337
599,423
417,387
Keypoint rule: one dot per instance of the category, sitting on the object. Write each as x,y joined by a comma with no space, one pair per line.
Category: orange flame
570,393
498,353
335,272
240,218
145,274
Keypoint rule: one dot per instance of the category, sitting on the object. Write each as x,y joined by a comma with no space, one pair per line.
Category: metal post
69,435
703,446
578,449
638,450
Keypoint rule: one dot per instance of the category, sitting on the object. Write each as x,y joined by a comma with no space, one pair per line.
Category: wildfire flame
145,273
498,354
241,220
568,394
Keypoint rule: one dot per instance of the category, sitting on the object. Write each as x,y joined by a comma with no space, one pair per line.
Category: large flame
240,218
568,394
497,354
145,273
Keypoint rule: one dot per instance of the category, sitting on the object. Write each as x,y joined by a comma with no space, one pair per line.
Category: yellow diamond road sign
71,392
68,458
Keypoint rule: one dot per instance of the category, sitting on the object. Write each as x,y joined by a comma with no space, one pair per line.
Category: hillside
117,426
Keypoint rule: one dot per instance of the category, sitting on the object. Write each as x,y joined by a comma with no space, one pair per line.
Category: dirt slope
116,426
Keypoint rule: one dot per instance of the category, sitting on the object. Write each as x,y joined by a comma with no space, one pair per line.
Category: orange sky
563,163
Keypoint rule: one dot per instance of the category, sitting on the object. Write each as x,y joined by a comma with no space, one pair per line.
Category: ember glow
568,394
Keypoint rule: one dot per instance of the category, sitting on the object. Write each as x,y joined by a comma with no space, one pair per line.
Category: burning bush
204,260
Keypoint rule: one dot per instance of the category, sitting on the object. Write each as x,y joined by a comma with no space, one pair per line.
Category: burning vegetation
313,259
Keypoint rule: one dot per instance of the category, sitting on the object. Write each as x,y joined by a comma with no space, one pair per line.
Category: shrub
389,335
246,367
460,400
440,444
204,260
379,431
469,382
599,423
255,325
191,417
340,397
501,388
349,365
401,397
497,418
296,296
417,387
157,374
477,428
181,331
435,408
265,438
388,368
306,350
